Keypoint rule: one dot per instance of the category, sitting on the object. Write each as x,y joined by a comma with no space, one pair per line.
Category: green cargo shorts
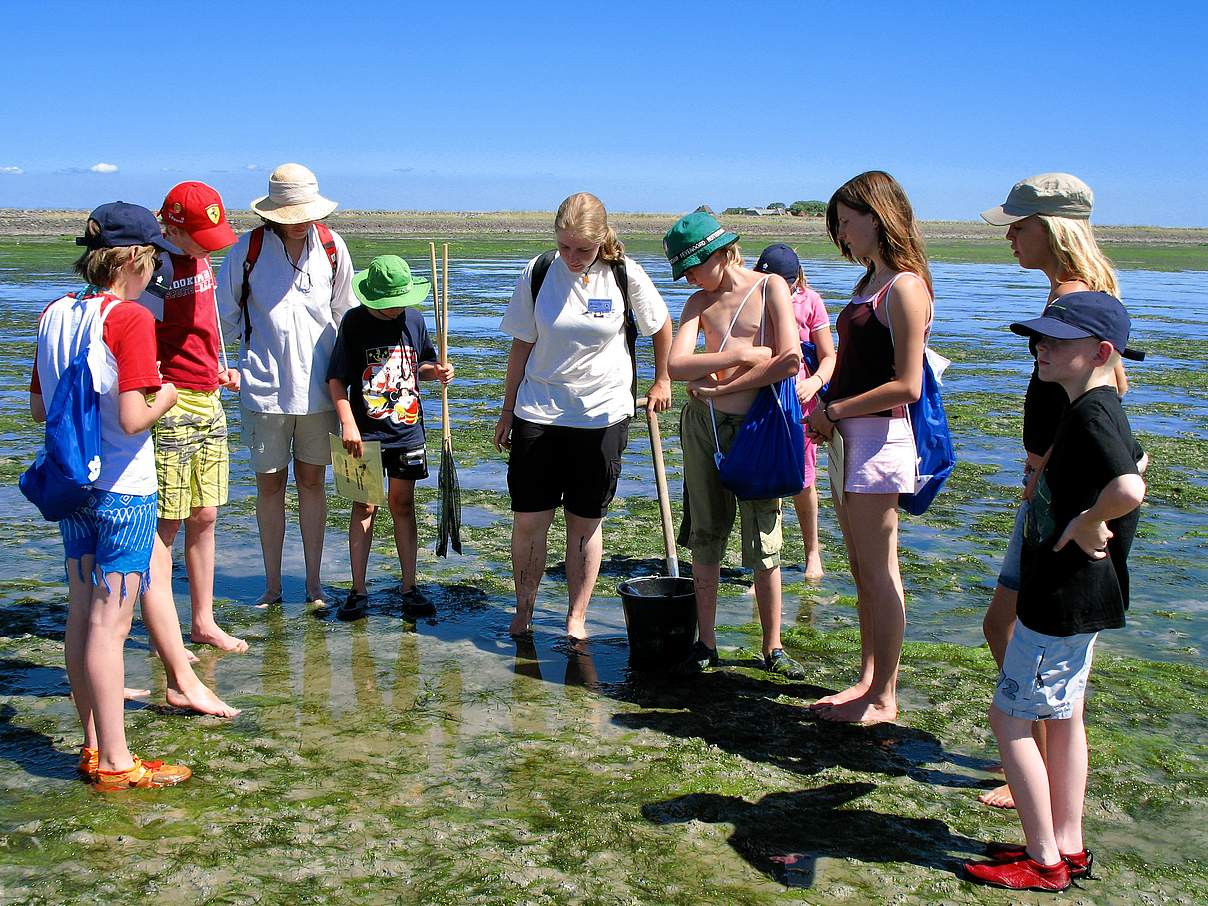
709,507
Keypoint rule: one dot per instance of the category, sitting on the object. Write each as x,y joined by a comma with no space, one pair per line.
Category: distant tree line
797,208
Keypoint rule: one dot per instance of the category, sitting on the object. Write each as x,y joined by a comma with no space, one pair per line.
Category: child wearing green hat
381,354
750,342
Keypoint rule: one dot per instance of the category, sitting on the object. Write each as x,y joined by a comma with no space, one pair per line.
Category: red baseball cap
198,210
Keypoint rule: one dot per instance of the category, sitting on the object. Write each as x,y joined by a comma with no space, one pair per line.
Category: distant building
765,212
704,209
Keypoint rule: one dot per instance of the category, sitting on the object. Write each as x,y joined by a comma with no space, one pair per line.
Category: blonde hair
898,236
1073,245
584,214
732,253
100,266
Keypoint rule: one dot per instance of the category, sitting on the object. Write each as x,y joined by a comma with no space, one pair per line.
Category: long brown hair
898,236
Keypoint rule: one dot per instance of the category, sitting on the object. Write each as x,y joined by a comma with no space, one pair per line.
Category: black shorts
575,467
411,465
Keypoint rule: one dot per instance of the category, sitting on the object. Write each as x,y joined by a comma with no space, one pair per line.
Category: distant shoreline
21,223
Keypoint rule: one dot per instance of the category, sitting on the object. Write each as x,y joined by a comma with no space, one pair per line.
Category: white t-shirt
579,372
295,315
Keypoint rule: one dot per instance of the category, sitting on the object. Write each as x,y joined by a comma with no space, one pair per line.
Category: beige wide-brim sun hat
293,197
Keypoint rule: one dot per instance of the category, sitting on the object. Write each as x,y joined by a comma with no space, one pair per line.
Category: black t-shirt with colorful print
378,360
1065,592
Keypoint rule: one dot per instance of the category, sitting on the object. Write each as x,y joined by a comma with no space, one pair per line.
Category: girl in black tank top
870,220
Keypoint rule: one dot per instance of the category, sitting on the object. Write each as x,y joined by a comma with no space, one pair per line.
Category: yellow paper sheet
359,479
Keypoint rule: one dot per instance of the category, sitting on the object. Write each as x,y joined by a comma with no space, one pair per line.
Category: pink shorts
878,455
811,460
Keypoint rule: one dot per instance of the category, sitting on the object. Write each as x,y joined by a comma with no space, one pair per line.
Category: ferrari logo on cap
214,212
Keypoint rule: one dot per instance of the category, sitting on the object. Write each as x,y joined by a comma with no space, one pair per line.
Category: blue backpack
935,457
767,459
61,476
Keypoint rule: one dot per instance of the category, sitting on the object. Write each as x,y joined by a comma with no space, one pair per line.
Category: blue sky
493,106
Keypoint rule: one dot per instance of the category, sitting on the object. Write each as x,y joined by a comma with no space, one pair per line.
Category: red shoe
1080,862
1022,874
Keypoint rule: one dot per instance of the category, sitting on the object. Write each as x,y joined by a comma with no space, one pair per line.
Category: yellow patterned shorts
191,459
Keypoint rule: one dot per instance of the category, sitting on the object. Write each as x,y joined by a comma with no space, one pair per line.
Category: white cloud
252,167
103,167
11,171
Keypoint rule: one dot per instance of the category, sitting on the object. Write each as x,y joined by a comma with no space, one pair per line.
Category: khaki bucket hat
293,197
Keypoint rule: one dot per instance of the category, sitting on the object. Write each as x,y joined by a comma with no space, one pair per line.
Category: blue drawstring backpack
935,457
69,462
767,458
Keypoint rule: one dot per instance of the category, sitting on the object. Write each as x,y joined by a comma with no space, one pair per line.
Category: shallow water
441,762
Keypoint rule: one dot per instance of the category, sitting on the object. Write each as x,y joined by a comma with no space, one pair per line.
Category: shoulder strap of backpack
540,268
329,245
621,275
254,245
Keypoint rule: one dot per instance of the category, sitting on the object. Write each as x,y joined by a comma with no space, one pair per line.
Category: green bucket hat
694,238
387,283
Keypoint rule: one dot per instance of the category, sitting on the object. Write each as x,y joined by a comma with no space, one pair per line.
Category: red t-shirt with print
188,333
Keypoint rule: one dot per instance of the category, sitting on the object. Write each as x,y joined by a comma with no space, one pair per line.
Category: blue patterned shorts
118,529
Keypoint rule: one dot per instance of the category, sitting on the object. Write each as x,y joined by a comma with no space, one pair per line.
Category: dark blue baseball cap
1080,315
125,224
780,259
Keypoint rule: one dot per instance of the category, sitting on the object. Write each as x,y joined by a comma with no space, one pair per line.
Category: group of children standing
1066,576
165,459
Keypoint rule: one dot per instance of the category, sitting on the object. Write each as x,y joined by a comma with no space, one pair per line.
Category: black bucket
660,619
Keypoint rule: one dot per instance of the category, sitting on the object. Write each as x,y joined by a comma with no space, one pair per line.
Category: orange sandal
142,775
90,763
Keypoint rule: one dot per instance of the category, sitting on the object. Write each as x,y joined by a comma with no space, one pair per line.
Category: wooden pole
444,345
660,480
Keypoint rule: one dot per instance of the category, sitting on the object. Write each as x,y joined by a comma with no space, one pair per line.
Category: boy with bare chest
750,342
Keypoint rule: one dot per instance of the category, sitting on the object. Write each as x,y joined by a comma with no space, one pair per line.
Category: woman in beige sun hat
283,288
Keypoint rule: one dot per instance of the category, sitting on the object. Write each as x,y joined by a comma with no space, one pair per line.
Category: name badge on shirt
598,308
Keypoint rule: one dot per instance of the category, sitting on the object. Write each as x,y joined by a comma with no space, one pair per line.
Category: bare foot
813,568
863,711
201,700
219,639
134,694
522,624
840,698
269,598
576,630
999,797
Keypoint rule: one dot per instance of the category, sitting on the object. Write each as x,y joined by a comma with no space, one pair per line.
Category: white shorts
878,455
1044,676
275,438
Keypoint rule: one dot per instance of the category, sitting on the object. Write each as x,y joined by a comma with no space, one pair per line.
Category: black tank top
865,357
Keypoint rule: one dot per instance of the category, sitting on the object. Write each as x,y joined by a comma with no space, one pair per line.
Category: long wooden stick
660,480
444,345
